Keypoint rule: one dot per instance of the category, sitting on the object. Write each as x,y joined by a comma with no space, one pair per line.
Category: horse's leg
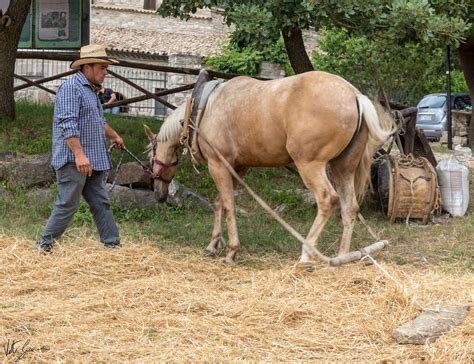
344,181
344,170
213,247
216,238
224,183
316,180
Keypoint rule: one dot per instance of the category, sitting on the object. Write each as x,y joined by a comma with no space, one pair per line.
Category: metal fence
36,69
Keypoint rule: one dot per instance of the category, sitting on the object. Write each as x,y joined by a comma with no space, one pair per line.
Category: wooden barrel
408,188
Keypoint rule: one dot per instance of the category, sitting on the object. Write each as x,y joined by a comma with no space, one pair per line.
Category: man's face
96,72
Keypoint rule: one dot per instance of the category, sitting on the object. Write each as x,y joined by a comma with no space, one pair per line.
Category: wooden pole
141,89
46,79
33,83
146,97
72,56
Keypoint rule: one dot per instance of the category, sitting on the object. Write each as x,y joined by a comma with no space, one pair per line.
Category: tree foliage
422,25
404,71
260,22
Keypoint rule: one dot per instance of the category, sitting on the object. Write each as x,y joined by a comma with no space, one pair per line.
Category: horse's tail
380,127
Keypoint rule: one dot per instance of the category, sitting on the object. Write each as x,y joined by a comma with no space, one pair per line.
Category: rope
409,161
310,249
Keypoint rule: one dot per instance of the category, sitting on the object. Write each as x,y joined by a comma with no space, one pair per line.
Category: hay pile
86,303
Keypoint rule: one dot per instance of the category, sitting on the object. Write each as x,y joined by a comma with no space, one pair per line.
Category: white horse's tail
381,127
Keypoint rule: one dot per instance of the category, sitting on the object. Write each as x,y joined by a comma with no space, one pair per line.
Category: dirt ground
89,304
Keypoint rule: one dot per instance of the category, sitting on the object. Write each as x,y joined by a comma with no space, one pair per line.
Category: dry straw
85,303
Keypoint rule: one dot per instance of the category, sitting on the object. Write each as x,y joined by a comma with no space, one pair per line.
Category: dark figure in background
107,97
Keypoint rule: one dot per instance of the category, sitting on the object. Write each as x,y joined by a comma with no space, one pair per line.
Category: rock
7,156
132,198
26,171
280,208
308,198
242,212
457,140
440,219
41,196
432,322
178,194
463,131
130,174
144,198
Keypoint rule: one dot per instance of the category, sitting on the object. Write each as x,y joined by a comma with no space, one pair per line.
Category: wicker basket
408,188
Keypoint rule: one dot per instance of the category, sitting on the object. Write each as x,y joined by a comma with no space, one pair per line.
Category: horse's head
163,157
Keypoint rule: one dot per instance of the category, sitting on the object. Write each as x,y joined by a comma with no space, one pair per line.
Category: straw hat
92,53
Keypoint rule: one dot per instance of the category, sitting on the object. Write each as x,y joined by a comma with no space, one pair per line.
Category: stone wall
177,80
130,4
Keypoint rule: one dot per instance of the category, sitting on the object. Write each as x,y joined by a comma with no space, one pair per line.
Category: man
107,97
80,157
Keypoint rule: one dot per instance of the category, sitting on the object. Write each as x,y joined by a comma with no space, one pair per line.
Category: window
149,4
160,109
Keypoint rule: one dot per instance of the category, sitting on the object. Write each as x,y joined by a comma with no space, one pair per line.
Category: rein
146,170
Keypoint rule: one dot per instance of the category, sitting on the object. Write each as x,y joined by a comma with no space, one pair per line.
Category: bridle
163,166
158,175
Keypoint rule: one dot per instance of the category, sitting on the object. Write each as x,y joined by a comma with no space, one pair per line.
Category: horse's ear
149,133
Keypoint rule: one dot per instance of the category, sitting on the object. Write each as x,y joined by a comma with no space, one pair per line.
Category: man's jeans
71,185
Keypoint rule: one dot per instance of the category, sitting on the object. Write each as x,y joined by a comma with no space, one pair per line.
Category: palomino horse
316,120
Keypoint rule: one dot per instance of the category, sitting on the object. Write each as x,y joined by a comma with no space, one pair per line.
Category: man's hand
113,136
83,165
118,141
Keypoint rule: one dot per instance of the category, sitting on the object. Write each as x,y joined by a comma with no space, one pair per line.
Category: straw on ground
85,303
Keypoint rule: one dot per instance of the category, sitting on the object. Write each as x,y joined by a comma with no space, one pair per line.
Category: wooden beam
33,83
146,97
422,147
46,79
409,125
72,56
141,89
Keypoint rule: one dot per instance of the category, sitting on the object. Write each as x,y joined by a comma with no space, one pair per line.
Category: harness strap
206,93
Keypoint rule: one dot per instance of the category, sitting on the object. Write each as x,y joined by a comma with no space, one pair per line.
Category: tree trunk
294,44
11,25
466,54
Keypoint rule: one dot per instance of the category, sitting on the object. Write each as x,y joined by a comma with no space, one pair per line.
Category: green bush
246,60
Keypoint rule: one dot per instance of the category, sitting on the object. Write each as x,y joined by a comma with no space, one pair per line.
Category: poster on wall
4,6
53,20
55,24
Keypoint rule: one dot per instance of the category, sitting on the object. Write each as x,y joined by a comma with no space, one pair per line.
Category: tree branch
294,44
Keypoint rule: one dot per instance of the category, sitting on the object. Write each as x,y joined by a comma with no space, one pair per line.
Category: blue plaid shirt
78,113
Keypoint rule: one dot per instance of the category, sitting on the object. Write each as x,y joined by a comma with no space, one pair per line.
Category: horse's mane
171,128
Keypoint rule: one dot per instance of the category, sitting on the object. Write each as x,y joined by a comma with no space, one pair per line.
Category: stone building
133,30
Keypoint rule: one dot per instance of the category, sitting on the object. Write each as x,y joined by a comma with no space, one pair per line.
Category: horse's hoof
306,267
209,253
228,261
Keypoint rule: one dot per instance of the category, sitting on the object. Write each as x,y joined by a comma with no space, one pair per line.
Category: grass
447,245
